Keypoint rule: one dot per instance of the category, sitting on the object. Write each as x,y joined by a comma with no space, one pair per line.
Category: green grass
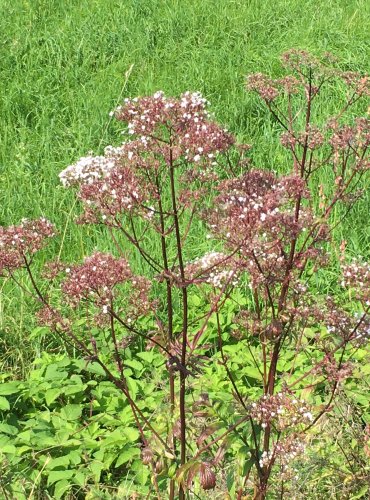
63,67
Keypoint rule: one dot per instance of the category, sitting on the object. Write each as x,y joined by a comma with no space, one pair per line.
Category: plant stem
184,322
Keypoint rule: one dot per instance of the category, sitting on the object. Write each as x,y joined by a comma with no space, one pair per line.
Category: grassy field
63,69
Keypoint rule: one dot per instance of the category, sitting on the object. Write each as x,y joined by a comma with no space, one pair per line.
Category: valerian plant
179,171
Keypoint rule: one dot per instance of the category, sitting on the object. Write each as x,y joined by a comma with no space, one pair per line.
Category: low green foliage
67,431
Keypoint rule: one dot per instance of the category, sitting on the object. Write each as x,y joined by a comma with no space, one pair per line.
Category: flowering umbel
19,243
95,280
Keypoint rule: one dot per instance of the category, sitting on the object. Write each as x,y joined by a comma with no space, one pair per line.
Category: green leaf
133,363
71,412
251,372
22,449
195,300
62,435
146,356
58,462
365,369
8,429
38,332
43,439
95,368
75,457
142,473
4,404
126,455
9,448
59,475
52,394
53,372
74,389
61,487
184,469
131,434
96,468
132,387
9,388
80,479
230,481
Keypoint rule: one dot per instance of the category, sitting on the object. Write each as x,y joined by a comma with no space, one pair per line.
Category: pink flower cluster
254,215
298,61
331,369
313,138
95,279
185,123
167,132
350,327
86,170
119,192
17,243
48,316
356,276
215,268
284,451
359,83
98,275
355,138
264,86
282,410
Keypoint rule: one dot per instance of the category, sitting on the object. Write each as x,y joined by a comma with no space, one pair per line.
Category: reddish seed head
207,476
147,456
20,242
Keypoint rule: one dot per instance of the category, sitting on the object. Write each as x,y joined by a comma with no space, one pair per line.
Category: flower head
17,243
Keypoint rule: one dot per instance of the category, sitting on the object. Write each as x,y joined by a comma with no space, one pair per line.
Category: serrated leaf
4,404
131,433
59,475
60,488
134,363
53,372
126,455
94,368
58,462
71,412
9,388
8,429
146,356
52,394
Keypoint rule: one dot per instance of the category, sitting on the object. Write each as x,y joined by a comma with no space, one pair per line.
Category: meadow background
66,64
